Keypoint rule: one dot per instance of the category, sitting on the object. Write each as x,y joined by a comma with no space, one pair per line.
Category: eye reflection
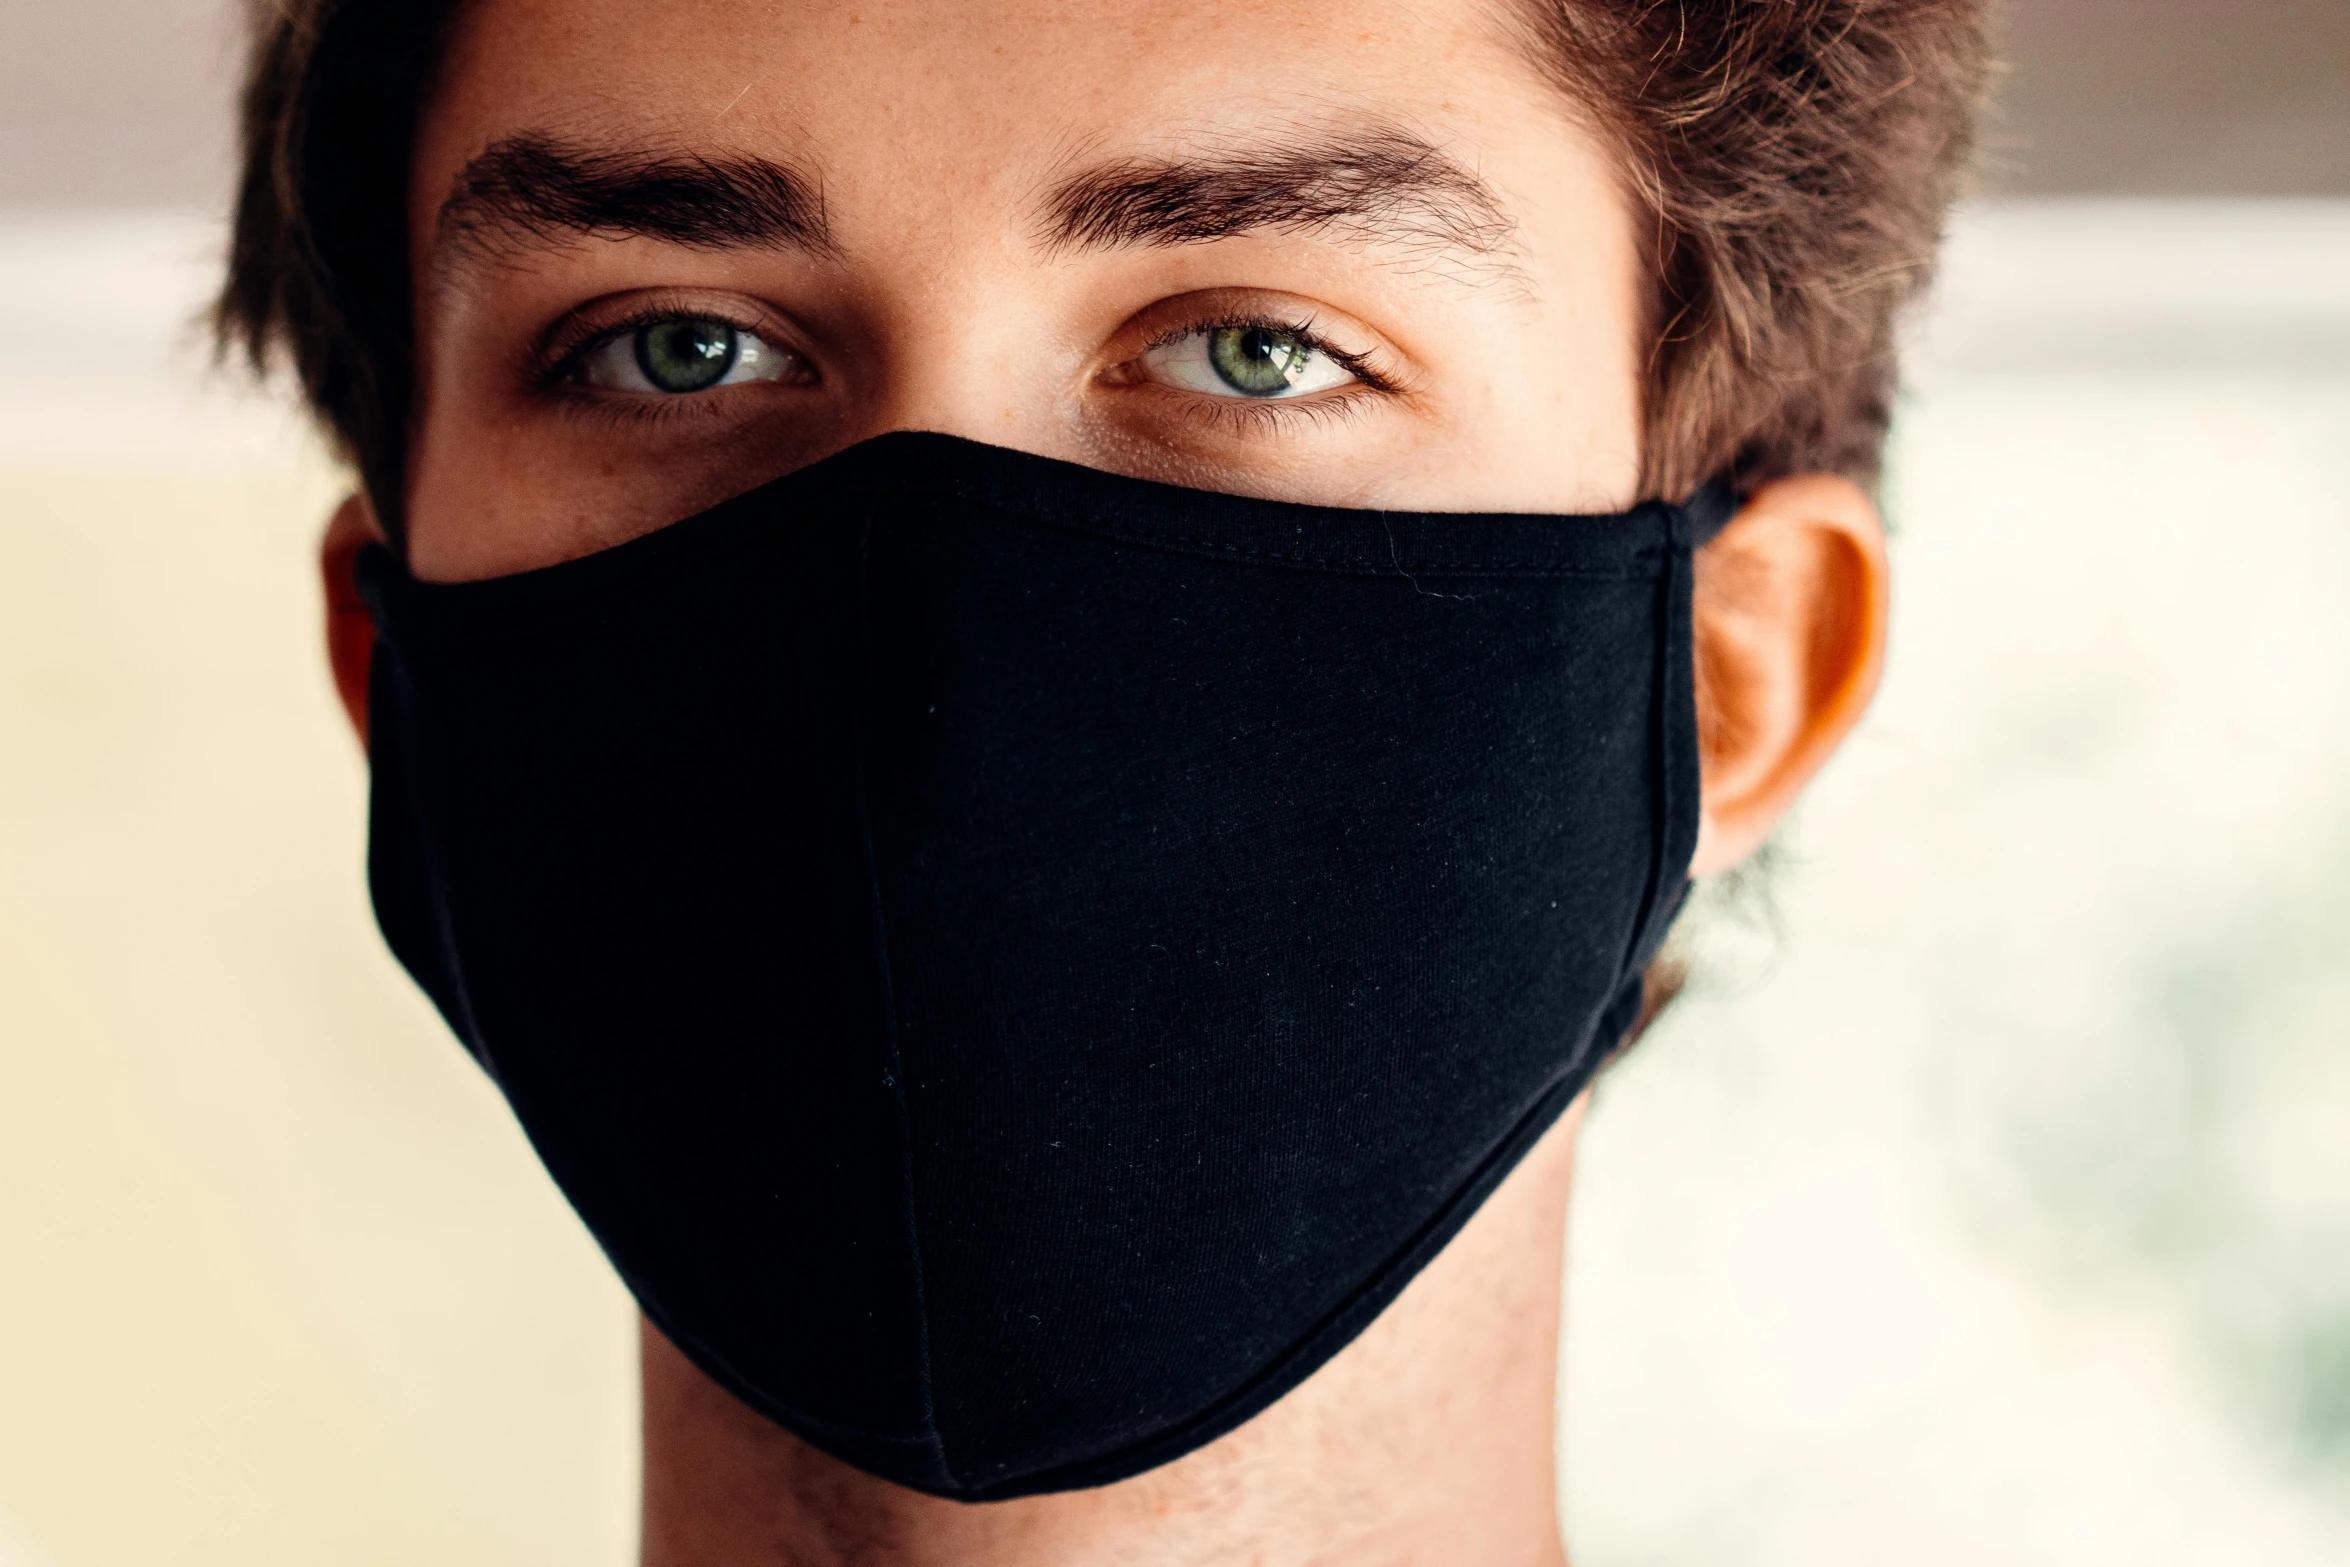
679,355
1246,361
685,356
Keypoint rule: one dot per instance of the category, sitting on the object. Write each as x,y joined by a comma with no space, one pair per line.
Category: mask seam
388,668
1373,565
893,1061
437,615
1673,637
1382,1284
524,626
1365,566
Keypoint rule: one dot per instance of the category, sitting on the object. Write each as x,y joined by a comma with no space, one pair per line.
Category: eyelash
1304,331
1253,415
1249,415
560,365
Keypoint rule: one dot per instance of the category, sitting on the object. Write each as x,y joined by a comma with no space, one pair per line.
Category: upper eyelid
1267,320
570,341
1361,366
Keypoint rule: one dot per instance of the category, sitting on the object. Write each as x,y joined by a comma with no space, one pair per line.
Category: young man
1061,956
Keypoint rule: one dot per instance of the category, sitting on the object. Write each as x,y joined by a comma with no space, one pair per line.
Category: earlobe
1789,605
350,634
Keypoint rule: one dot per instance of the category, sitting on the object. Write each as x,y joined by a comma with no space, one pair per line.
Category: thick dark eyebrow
1379,185
536,188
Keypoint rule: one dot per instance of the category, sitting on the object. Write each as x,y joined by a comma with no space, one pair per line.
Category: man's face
1359,255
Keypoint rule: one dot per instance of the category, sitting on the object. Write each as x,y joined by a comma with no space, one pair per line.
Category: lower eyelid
1270,415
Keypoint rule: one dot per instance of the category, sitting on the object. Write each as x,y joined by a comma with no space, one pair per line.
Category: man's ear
1790,620
350,635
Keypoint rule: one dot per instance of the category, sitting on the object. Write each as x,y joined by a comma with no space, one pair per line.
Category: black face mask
1019,966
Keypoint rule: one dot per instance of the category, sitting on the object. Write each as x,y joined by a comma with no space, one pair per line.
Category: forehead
979,100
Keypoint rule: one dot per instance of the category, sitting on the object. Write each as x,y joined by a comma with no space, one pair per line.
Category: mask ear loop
1690,527
1702,517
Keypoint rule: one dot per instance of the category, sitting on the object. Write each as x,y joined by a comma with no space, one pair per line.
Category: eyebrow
537,188
1380,185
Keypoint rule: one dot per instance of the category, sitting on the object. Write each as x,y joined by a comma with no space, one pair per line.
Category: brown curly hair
1792,159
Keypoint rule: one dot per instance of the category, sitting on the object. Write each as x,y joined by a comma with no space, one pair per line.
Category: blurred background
1989,1200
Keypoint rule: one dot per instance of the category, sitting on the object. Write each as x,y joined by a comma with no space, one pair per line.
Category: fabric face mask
1018,966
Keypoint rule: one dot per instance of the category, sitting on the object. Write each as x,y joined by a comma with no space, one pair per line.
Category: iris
686,355
1258,361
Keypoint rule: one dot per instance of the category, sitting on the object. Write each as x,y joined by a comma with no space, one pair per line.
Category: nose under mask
1018,966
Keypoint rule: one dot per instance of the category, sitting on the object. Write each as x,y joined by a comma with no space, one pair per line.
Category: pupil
686,356
1256,361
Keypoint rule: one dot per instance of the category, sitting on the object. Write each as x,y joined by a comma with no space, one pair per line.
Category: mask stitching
1646,556
453,624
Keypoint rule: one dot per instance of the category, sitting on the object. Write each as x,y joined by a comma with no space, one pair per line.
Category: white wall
1998,1208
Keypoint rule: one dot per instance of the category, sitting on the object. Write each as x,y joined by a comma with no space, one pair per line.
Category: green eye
677,355
1261,361
1258,361
686,355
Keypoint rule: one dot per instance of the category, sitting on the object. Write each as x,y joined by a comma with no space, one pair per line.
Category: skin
1499,375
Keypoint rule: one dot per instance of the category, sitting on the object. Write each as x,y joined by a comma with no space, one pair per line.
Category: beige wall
2247,97
116,102
111,102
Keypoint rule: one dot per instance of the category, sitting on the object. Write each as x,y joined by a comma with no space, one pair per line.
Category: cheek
505,475
488,498
1582,370
1542,415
